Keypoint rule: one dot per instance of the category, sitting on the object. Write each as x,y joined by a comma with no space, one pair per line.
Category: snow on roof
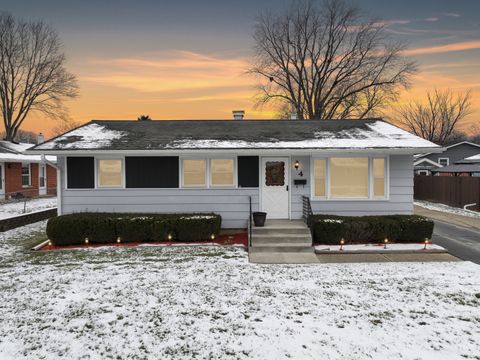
473,158
90,136
14,152
459,168
240,134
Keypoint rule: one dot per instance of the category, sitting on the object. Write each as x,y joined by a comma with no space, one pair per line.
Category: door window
274,173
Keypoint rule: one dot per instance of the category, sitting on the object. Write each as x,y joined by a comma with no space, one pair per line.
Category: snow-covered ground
17,207
447,209
209,302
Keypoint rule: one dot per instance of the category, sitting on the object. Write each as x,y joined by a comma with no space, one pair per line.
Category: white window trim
443,158
29,175
422,172
235,177
370,197
97,173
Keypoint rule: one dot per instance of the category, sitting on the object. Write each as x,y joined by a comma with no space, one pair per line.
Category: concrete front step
282,236
280,248
279,230
286,240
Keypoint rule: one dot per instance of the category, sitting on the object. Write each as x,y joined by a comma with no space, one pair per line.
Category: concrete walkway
312,258
465,221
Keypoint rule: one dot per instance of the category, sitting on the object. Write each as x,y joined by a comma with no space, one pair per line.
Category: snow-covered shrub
72,229
329,229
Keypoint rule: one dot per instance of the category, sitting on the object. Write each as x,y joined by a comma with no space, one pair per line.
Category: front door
2,181
275,187
42,179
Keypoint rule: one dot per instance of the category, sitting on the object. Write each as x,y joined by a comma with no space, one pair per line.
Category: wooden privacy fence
450,190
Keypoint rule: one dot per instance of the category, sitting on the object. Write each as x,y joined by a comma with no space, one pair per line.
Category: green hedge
329,229
102,228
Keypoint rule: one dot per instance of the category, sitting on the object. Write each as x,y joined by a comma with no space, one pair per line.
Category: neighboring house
347,167
425,164
25,175
475,159
458,170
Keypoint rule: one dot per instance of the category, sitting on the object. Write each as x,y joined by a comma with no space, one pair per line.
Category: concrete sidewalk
312,258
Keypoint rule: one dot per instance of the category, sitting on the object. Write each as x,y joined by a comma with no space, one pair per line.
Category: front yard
209,302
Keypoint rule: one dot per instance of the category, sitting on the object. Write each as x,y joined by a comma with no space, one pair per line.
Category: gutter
44,159
256,151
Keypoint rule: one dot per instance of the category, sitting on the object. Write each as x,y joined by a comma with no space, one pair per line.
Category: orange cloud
459,46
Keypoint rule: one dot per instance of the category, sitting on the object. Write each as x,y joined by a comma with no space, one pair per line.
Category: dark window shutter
248,171
151,172
80,172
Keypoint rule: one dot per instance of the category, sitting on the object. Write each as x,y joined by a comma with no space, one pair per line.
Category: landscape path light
426,243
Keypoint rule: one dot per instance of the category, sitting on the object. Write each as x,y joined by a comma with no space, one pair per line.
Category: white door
275,180
42,179
2,181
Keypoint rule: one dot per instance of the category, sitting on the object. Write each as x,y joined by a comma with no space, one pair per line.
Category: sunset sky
187,59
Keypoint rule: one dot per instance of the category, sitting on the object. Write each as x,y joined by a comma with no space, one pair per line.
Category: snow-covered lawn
17,207
447,209
209,302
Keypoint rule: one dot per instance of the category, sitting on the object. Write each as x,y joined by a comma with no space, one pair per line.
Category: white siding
399,202
233,204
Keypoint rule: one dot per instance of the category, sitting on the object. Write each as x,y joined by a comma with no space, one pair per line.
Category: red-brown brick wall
51,180
13,180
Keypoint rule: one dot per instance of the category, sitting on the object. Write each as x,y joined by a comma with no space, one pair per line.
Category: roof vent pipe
238,114
40,139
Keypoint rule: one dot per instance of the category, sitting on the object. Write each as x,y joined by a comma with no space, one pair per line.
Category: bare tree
25,136
65,124
327,61
438,118
32,72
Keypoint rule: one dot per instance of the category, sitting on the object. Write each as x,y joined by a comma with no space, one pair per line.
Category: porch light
426,243
49,243
342,242
169,236
86,240
385,242
212,236
119,240
297,166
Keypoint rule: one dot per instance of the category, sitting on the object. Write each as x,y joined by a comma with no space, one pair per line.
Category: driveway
458,234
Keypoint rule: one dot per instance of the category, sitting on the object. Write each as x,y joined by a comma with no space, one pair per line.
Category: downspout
59,186
44,159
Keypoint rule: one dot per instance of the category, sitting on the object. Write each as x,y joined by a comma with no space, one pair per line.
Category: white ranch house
345,167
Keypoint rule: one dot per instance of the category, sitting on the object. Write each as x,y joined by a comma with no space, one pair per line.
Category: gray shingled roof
234,134
460,168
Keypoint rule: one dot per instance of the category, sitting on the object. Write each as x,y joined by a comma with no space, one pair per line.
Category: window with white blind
194,173
338,178
110,173
222,173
